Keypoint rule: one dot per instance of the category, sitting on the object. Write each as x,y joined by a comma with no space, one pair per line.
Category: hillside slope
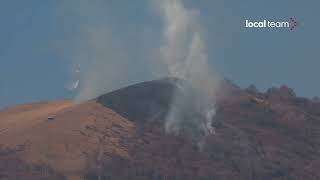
258,135
53,132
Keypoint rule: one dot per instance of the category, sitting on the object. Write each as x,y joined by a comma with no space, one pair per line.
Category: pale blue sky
33,67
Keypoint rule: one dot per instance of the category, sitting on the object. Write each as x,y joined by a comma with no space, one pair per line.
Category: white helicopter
76,83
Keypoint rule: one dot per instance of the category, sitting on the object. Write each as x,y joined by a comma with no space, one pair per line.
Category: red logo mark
295,24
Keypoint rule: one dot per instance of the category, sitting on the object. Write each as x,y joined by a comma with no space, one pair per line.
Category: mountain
121,135
143,101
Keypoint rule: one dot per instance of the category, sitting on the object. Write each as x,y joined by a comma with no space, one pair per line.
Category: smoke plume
184,53
109,62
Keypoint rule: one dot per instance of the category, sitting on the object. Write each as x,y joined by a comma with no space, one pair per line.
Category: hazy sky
37,39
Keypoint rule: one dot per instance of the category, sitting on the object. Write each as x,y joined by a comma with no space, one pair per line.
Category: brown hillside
271,135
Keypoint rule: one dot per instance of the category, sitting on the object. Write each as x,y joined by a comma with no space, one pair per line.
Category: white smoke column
109,62
184,53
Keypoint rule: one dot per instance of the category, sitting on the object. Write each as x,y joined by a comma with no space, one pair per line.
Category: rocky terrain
258,135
